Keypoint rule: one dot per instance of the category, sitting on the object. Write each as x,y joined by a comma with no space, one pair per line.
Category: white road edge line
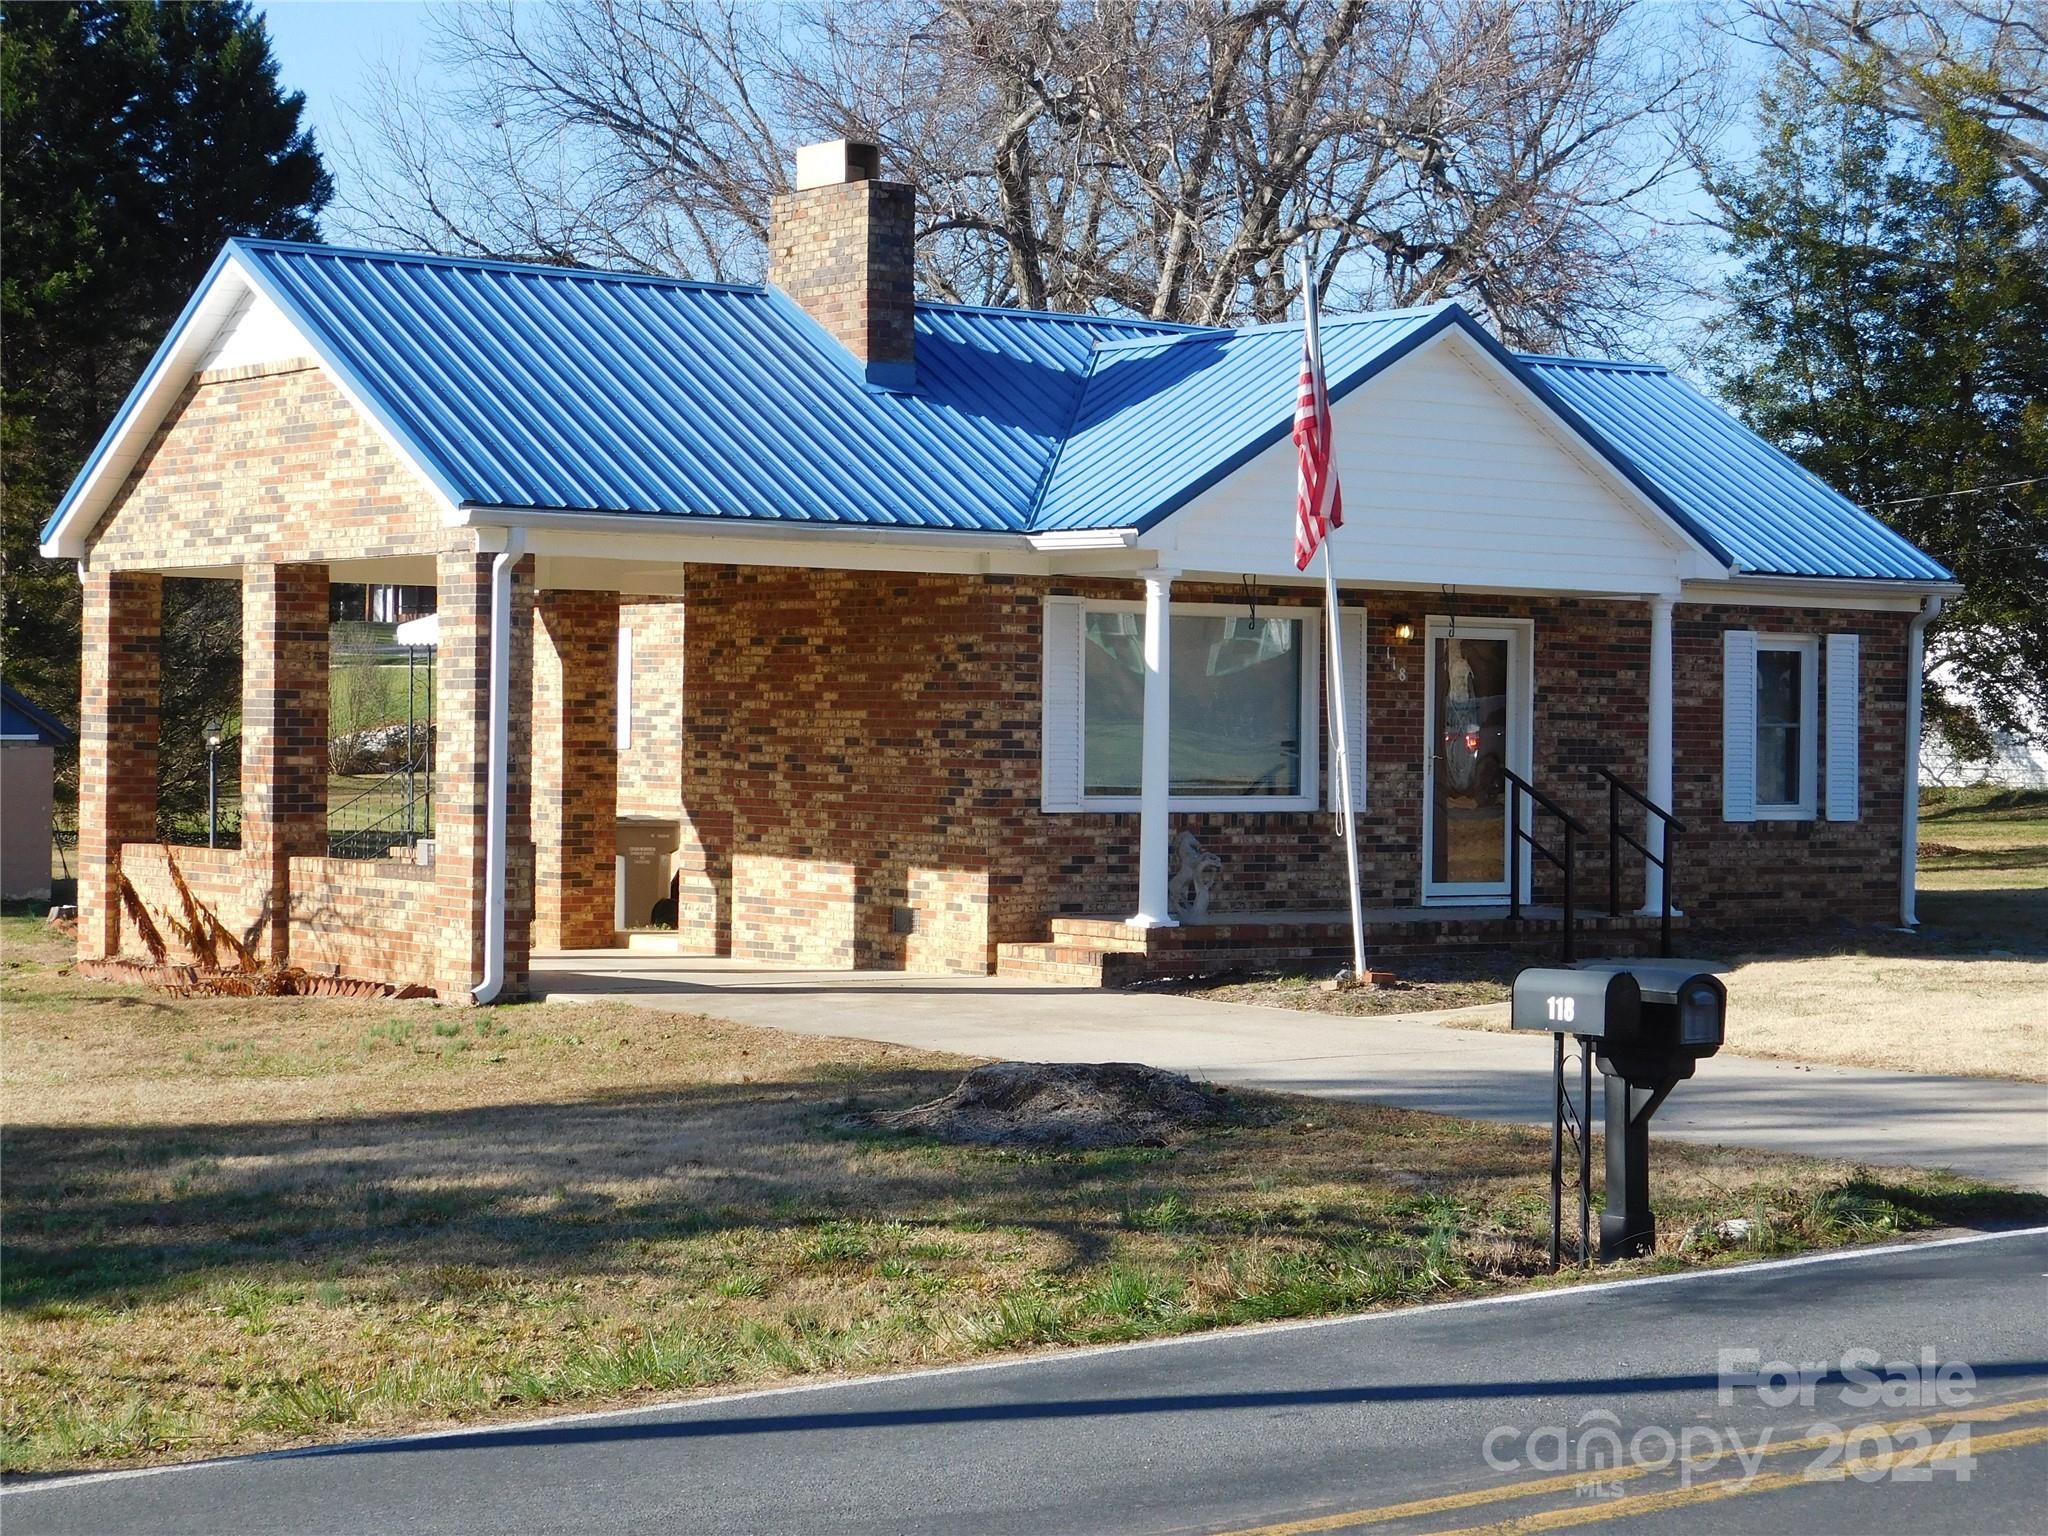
59,1482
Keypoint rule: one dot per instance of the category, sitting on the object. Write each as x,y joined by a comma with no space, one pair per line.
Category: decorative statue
1193,880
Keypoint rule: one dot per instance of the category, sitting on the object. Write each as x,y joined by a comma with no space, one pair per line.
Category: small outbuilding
29,739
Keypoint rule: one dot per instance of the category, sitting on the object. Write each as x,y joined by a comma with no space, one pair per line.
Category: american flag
1318,501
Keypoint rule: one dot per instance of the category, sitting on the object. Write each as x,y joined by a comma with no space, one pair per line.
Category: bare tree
1996,49
1155,157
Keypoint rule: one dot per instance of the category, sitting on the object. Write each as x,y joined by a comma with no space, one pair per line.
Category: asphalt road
1433,1419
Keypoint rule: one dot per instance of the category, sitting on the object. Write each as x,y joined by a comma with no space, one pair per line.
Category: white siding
1446,479
1060,726
257,332
1844,724
1738,725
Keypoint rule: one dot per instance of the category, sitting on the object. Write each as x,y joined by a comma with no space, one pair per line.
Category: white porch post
1154,778
1658,788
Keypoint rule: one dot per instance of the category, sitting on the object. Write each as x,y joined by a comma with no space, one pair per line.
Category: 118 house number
1562,1009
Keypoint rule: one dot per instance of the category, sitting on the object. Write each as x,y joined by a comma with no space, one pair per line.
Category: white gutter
738,528
498,753
1909,834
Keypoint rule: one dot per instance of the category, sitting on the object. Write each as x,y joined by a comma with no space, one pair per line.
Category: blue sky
328,48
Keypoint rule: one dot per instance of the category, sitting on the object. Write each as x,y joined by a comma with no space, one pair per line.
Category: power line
1975,490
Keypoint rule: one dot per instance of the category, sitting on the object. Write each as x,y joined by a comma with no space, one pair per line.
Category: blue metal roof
549,388
22,718
1769,515
1166,417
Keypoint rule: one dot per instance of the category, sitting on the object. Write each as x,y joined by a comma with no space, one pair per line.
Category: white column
1154,777
1658,787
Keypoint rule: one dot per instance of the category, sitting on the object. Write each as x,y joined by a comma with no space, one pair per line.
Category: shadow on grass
109,1214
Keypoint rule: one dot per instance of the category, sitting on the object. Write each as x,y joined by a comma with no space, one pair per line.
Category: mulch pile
1068,1105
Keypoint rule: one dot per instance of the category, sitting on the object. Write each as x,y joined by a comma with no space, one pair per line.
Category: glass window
1236,704
1780,730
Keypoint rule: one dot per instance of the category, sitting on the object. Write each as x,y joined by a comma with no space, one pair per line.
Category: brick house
864,608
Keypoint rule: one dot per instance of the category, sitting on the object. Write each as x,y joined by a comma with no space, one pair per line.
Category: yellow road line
1446,1503
1736,1487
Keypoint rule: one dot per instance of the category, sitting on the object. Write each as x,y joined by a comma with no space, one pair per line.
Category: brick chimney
841,247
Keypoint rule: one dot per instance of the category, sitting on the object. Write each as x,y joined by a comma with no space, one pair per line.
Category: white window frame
1521,638
1807,806
1309,797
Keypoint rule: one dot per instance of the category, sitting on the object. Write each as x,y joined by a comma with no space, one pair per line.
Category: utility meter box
646,854
1605,1006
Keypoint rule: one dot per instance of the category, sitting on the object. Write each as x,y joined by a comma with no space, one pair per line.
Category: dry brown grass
243,1223
1908,1013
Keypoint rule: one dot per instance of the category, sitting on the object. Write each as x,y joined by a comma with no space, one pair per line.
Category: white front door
1475,724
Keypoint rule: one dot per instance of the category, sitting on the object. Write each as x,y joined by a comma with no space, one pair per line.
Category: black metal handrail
1517,835
391,810
1616,836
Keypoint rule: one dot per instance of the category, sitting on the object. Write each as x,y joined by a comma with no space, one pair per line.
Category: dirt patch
1417,987
1069,1105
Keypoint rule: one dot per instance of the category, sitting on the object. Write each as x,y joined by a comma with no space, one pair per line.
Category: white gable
1453,474
257,332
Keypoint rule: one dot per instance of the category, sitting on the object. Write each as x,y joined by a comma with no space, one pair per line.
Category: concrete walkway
1983,1127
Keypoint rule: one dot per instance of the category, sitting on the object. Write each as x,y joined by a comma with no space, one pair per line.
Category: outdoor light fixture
214,729
1401,633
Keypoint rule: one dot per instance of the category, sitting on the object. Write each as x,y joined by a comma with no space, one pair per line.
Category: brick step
1106,952
1050,962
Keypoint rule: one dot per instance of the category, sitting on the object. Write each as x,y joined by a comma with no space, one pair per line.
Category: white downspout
1909,833
499,752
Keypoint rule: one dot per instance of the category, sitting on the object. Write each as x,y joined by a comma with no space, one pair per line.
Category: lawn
235,1224
1968,993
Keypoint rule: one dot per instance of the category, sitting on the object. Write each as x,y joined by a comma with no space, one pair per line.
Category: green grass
1984,867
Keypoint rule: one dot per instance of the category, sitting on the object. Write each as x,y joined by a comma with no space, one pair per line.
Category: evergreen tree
1885,329
134,139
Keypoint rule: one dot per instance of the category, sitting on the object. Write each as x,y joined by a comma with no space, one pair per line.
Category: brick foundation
374,920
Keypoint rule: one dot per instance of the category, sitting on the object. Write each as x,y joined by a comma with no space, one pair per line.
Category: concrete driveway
1983,1127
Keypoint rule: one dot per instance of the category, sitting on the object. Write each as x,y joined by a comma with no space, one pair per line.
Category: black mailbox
1600,1006
1684,1020
1649,1023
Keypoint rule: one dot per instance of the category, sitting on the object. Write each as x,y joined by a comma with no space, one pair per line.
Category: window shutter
1738,725
1351,624
1844,726
1060,704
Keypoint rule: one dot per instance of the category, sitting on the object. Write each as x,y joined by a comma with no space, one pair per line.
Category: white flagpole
1340,736
1340,752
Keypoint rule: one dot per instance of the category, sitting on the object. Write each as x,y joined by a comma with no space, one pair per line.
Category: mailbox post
1684,1020
1648,1024
1590,1007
